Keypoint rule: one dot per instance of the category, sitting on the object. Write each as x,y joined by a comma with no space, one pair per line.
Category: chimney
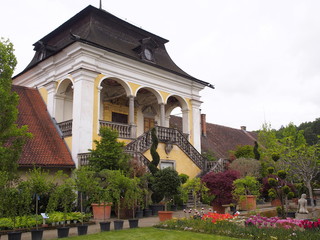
203,125
244,128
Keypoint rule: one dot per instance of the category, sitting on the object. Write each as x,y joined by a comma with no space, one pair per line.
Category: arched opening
148,109
64,101
177,114
114,106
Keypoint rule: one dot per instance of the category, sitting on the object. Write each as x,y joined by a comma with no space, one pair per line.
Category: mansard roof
103,30
46,148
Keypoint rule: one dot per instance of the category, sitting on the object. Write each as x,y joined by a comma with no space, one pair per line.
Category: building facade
98,70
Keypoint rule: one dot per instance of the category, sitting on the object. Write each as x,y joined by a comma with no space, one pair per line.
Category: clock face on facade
148,54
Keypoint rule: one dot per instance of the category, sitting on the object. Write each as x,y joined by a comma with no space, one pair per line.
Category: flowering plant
276,222
214,217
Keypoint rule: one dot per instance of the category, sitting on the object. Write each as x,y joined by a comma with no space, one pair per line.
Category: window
167,163
119,118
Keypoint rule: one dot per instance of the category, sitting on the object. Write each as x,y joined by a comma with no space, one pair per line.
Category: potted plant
167,183
132,197
221,186
246,190
63,197
40,186
16,202
117,185
86,184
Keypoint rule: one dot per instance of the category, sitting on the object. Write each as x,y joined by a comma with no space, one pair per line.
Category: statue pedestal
304,215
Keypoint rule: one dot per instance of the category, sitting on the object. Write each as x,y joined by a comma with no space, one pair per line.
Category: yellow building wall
44,94
183,163
68,141
108,108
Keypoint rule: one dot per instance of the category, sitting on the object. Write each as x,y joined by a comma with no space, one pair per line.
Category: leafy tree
245,151
256,151
197,188
303,163
109,153
166,183
12,137
246,167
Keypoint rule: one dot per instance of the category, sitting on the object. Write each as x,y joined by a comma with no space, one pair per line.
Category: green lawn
150,234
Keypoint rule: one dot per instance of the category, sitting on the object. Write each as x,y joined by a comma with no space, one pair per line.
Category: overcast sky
263,57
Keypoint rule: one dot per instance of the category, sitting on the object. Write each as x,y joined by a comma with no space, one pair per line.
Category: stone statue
302,204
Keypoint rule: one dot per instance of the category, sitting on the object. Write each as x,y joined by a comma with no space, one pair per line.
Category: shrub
221,185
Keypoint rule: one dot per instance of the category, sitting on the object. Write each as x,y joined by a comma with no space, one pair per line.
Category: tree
303,163
12,137
246,167
166,182
245,151
153,165
109,153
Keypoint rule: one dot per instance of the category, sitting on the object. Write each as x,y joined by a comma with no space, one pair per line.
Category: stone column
83,105
162,115
185,123
51,90
133,126
196,130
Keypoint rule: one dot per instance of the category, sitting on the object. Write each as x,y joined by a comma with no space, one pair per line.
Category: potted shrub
16,202
166,182
40,186
197,188
117,185
221,186
246,190
86,184
63,197
132,197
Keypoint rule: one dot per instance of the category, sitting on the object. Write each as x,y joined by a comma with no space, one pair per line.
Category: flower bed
255,227
276,222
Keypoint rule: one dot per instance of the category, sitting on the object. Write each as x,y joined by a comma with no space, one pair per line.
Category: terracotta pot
98,211
165,215
218,208
248,203
275,202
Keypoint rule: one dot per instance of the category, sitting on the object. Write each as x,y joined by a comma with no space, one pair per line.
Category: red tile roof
220,139
46,148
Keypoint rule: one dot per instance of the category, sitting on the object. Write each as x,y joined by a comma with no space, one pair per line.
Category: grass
150,233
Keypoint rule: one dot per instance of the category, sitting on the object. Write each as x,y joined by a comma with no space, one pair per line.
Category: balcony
124,130
66,128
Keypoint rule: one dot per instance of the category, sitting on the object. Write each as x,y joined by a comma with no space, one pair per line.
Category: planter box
156,208
14,235
248,203
100,209
147,212
275,202
219,208
63,232
165,215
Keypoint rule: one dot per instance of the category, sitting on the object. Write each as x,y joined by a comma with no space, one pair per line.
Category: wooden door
148,124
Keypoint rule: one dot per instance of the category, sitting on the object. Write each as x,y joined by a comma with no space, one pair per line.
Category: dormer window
147,49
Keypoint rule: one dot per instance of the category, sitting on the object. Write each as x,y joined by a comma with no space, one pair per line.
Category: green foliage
256,151
109,153
12,137
153,165
282,174
210,156
198,190
245,151
246,186
63,197
134,195
166,182
183,178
